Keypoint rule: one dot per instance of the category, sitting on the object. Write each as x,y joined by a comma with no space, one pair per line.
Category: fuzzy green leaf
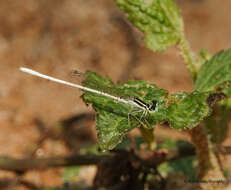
159,20
114,119
111,129
131,89
187,109
215,73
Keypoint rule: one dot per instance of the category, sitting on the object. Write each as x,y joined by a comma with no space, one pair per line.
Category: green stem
189,57
148,137
208,163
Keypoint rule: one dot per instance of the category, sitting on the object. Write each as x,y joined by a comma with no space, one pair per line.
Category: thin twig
20,165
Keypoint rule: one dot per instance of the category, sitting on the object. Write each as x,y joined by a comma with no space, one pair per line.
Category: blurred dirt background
56,37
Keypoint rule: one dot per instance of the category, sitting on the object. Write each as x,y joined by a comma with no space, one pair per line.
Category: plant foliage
162,26
182,110
215,73
159,20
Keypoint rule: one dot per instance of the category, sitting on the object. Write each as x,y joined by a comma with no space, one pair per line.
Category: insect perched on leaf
122,107
134,102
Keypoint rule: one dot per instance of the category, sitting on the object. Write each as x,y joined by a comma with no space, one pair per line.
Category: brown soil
55,37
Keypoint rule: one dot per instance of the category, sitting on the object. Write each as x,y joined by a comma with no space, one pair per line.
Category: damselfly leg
132,114
146,108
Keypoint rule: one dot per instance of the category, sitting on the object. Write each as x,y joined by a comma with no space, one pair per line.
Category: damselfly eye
154,102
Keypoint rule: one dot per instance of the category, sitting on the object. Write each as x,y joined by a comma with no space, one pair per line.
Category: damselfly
134,102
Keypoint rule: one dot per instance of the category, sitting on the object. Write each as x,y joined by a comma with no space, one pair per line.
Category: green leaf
159,20
215,73
186,110
111,129
113,119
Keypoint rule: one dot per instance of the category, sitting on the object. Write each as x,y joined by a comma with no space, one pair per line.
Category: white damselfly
135,102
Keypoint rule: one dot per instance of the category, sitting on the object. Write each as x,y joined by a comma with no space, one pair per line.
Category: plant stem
189,57
216,124
8,163
208,164
148,137
25,164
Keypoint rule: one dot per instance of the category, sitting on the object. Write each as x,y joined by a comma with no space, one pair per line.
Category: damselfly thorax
149,107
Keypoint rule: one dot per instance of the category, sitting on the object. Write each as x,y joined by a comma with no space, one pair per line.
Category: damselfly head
153,107
149,107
